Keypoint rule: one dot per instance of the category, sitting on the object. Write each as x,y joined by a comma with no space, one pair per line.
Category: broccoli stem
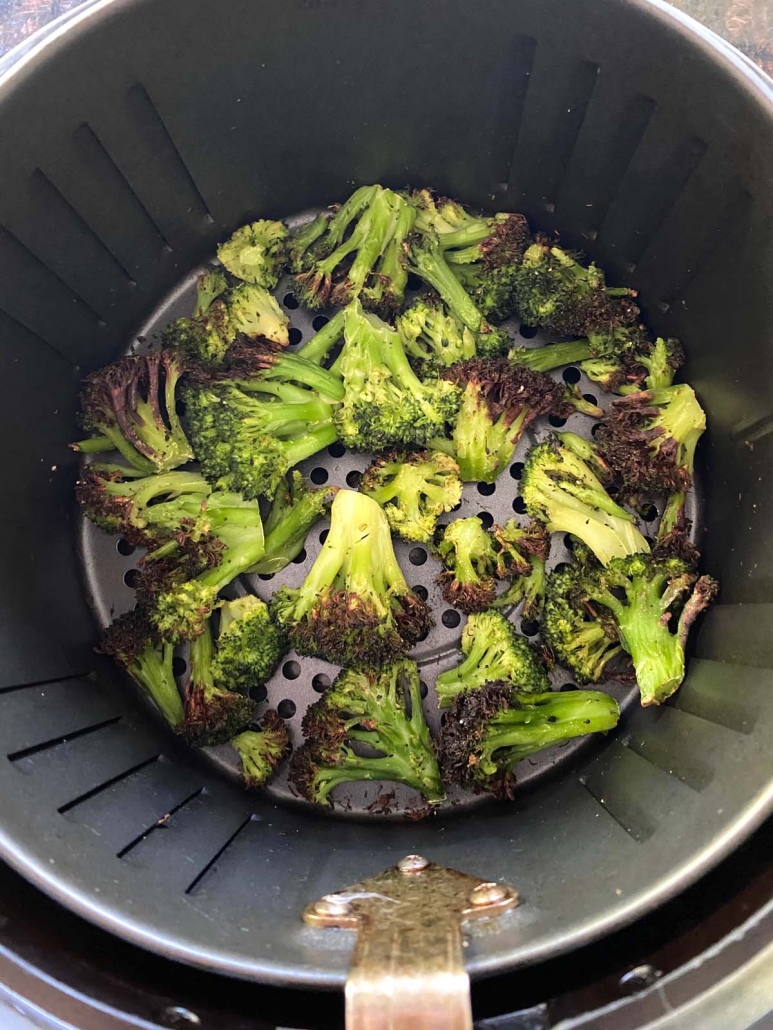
553,355
154,674
320,345
673,514
472,673
349,210
430,265
482,447
353,767
94,445
286,540
118,442
378,226
304,238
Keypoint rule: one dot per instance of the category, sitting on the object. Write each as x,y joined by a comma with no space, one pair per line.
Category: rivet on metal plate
412,864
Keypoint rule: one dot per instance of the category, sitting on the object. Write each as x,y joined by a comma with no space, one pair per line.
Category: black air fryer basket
142,132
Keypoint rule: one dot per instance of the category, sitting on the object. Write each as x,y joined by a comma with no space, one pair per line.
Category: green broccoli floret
414,490
385,404
249,645
523,551
492,651
206,337
295,509
261,751
583,638
255,313
132,406
213,714
654,602
367,708
490,730
387,291
433,336
210,285
355,607
649,439
561,490
256,253
659,362
499,401
301,249
470,557
131,641
555,292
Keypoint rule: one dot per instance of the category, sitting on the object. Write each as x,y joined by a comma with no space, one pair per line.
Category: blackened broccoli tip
582,637
434,337
205,337
385,403
256,313
554,291
469,555
522,553
213,714
492,651
249,645
131,641
659,361
133,404
490,730
210,285
654,602
561,490
499,400
261,751
367,708
650,438
414,489
257,252
673,539
355,607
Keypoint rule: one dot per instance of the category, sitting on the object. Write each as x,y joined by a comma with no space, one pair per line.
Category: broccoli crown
385,404
561,490
257,252
205,337
414,490
131,641
583,638
367,708
654,602
133,404
355,607
470,557
492,651
491,288
490,730
522,553
181,612
210,285
555,291
249,645
213,715
649,438
255,313
294,510
499,400
433,336
261,751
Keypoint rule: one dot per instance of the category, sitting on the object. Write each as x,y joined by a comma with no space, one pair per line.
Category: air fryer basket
146,131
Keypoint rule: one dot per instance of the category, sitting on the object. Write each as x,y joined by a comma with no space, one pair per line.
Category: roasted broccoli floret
660,361
554,291
256,253
295,509
434,337
255,368
261,751
492,651
654,602
213,714
608,358
561,490
649,439
387,290
249,444
673,538
414,490
131,641
490,730
249,645
523,551
470,557
255,313
301,248
498,402
210,285
385,404
132,406
355,607
367,708
206,337
582,636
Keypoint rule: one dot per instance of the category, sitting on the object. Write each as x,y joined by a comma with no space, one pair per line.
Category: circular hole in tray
423,689
417,556
530,627
451,619
648,512
336,450
486,518
519,506
290,301
125,548
590,398
295,336
319,322
265,576
258,694
487,489
571,375
320,682
132,578
528,332
318,476
300,557
323,535
556,421
291,670
516,469
179,665
286,709
353,478
421,591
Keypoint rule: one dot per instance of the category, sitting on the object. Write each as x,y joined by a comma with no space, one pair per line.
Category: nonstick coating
142,133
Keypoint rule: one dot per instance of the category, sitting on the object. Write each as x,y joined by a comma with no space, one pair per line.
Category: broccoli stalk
323,341
249,645
470,557
523,552
256,369
657,593
433,336
492,651
385,404
212,714
414,490
210,285
260,752
355,607
256,253
674,531
553,355
300,251
490,730
367,708
391,274
295,509
132,403
130,641
561,490
609,358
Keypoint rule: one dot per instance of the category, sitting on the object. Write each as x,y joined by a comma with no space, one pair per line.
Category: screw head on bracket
488,894
412,864
332,907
